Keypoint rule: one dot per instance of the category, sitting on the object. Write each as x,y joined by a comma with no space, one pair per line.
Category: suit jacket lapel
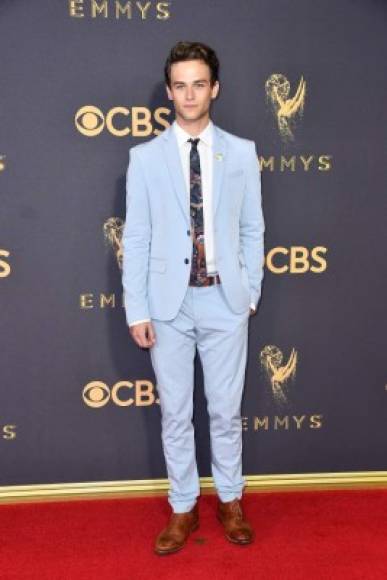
172,156
218,166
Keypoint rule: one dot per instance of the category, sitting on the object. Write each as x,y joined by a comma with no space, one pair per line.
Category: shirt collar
182,135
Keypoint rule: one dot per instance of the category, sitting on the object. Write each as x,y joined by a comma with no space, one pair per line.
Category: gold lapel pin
219,156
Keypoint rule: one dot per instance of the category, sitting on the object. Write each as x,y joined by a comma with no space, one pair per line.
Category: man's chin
191,115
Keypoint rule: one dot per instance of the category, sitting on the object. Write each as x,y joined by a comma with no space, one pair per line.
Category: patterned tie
198,275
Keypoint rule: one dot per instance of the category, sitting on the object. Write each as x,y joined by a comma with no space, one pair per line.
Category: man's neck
194,128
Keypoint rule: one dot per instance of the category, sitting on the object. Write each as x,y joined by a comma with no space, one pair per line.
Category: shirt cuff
138,321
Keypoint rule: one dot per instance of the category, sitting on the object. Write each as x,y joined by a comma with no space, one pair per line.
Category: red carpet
311,535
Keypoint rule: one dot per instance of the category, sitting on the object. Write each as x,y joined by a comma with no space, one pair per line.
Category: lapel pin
219,156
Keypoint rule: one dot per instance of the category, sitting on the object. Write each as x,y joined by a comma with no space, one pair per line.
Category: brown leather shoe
237,529
173,537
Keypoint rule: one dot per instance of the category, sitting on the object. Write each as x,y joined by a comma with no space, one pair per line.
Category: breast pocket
235,183
234,174
157,264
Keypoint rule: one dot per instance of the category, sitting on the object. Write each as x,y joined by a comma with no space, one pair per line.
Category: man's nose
189,93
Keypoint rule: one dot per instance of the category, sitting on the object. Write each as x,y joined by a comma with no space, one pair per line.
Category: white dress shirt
206,156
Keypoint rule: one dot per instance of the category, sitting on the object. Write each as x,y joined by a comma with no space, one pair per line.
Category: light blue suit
157,250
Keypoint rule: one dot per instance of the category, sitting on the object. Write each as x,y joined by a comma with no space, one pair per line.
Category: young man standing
193,247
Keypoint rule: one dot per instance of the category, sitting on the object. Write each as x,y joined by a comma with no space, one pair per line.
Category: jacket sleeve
136,239
252,225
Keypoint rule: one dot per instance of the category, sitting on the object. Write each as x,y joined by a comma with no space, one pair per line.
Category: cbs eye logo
141,393
89,121
121,121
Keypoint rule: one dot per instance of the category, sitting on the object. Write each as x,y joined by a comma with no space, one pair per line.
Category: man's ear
169,92
215,90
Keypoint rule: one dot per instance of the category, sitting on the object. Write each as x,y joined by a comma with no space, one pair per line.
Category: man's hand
143,334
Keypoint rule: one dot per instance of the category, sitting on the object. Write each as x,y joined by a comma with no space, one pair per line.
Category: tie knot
194,142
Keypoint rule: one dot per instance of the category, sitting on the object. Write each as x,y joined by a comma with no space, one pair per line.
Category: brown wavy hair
192,51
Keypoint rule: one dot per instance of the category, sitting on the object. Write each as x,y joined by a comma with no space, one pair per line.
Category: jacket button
186,261
188,232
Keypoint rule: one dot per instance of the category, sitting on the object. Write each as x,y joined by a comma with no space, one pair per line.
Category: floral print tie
198,275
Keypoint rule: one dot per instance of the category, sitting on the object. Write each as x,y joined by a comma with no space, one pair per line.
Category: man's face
191,89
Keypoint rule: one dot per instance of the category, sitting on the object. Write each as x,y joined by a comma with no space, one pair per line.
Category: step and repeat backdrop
81,83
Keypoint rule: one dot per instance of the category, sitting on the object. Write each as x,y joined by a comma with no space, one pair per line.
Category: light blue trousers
204,321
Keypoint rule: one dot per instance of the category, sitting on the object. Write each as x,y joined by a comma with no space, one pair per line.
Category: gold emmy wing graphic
113,230
285,109
271,358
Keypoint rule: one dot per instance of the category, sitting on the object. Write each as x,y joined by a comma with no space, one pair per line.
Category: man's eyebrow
196,81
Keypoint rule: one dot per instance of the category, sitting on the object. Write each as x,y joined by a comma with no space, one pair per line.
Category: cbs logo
296,260
8,432
141,393
121,121
2,163
5,268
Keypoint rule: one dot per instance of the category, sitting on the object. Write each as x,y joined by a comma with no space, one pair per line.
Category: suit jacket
157,246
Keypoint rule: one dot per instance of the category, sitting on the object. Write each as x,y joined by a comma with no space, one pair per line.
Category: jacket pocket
157,264
234,173
242,260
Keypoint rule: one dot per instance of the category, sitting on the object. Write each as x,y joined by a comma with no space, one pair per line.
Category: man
192,273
